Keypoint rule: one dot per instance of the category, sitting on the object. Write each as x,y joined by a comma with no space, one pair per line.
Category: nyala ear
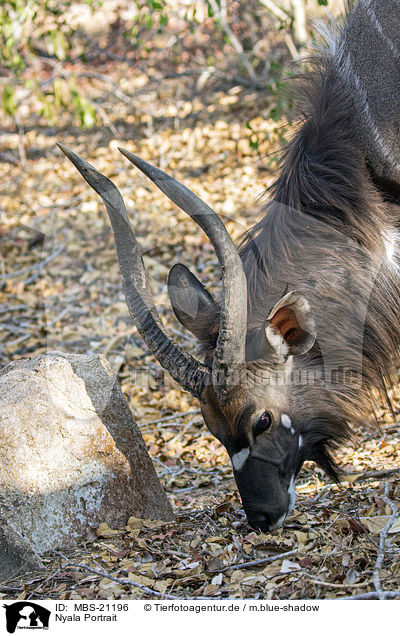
193,305
290,326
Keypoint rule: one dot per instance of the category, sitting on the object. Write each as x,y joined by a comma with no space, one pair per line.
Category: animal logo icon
26,615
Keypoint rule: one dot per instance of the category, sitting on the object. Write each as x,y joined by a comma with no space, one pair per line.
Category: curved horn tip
129,155
67,152
96,179
79,163
155,174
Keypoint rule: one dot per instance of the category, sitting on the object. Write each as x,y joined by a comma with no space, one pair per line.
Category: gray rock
71,456
16,555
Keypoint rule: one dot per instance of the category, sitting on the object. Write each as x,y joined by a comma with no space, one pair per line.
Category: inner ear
290,326
193,305
285,322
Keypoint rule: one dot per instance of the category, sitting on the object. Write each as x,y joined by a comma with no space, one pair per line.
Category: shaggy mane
325,191
322,173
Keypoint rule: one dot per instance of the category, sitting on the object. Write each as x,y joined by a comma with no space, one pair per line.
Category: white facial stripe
300,441
239,459
292,495
278,523
287,423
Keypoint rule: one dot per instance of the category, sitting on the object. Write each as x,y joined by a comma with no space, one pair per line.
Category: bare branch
382,543
271,559
371,475
36,266
234,41
104,573
371,595
291,46
5,309
49,578
380,431
172,417
299,20
105,118
275,9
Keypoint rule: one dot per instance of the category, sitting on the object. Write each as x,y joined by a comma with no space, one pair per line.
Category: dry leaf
105,531
376,524
289,566
395,527
217,580
135,523
163,586
139,578
110,588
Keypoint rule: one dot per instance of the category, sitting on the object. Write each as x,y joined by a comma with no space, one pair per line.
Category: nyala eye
263,423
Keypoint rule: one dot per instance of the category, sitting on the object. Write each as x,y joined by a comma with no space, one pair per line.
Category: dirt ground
60,289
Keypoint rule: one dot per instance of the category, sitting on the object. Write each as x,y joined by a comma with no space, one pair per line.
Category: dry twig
275,9
372,475
382,543
234,41
35,266
370,596
103,573
271,559
175,416
38,587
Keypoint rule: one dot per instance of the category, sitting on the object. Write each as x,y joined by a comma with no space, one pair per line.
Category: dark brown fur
321,233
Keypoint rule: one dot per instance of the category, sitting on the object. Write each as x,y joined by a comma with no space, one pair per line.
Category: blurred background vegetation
54,54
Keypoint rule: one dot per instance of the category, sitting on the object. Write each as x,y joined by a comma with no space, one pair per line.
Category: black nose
259,521
264,522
